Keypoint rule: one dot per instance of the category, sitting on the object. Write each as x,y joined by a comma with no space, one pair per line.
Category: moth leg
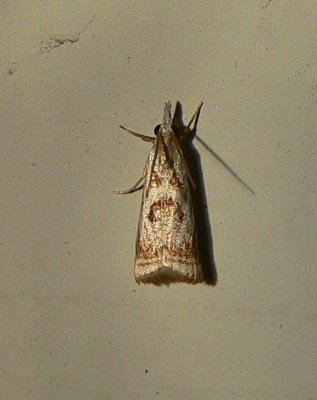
180,152
195,116
134,188
139,135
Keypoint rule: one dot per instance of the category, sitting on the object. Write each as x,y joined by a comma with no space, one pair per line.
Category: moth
166,243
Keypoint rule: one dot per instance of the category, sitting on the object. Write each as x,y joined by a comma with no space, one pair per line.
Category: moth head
164,130
166,126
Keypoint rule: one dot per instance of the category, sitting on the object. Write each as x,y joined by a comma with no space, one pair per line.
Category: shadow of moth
166,243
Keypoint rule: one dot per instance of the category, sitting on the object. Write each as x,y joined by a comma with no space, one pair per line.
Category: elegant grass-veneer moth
166,243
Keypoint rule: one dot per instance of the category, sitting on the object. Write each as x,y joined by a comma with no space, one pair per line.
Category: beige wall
74,324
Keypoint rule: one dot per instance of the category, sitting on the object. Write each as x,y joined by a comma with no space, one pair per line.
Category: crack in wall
53,42
59,40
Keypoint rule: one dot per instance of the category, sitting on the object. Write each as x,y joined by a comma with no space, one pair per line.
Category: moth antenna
180,152
167,154
195,116
152,165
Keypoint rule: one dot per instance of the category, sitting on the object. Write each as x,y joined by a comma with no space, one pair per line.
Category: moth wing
166,246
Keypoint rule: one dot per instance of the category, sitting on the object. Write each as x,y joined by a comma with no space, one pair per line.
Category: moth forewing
166,245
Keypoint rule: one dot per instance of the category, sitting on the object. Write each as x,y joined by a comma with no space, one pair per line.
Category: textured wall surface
74,324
